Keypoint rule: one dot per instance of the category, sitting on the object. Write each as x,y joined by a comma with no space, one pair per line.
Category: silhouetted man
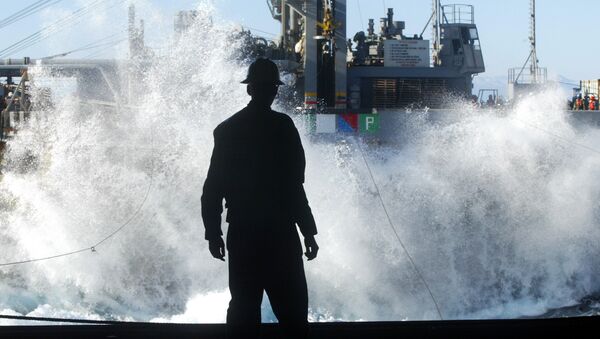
257,165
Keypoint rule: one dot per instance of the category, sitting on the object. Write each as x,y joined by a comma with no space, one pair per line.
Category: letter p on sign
369,123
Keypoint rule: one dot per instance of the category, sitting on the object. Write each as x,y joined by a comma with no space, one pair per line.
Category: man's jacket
257,166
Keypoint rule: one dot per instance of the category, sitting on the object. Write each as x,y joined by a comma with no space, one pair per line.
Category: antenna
436,17
534,60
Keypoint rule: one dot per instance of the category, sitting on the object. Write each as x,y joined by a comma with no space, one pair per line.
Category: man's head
263,81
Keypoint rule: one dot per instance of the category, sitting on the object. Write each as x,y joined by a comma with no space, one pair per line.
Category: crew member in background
578,103
490,101
3,93
8,99
474,101
257,166
592,104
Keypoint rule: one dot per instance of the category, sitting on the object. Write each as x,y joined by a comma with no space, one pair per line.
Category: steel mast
534,60
436,17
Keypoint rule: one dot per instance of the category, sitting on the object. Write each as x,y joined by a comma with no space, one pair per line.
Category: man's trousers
266,256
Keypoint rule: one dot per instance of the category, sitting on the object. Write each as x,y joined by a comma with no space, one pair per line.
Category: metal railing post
20,89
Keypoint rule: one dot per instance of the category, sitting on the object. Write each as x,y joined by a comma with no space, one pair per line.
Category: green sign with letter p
368,123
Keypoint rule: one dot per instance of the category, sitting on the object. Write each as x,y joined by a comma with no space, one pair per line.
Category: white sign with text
406,53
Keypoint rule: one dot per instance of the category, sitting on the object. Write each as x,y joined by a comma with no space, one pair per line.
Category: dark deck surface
522,328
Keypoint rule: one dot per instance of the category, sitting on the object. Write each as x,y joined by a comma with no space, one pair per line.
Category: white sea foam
499,212
202,308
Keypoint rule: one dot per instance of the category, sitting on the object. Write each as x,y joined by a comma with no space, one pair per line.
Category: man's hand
217,248
311,247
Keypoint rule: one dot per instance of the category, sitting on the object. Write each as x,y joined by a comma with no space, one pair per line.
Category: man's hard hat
263,71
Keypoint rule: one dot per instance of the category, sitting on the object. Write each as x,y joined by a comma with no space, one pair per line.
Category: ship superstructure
349,80
383,68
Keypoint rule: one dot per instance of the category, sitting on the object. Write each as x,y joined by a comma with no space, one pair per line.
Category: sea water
498,215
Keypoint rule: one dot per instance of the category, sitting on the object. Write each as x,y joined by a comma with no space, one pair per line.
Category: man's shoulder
283,118
229,123
240,119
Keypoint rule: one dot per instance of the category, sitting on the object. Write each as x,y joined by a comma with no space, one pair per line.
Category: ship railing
519,76
458,14
589,87
9,120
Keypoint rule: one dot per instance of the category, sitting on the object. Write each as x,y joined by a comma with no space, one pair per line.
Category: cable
362,25
89,46
99,41
426,25
48,30
45,258
258,30
93,247
568,83
24,11
556,136
74,20
96,53
54,28
383,205
27,11
523,68
110,44
389,219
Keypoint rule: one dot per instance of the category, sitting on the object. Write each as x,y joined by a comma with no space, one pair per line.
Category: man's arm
302,212
212,202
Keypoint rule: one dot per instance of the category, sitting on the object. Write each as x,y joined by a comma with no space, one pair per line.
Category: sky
565,29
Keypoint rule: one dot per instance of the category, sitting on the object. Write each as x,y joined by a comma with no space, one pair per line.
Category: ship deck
514,328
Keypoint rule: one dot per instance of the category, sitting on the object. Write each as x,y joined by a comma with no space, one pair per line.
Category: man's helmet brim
249,81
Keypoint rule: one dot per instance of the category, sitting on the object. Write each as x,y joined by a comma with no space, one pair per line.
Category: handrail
517,76
458,13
